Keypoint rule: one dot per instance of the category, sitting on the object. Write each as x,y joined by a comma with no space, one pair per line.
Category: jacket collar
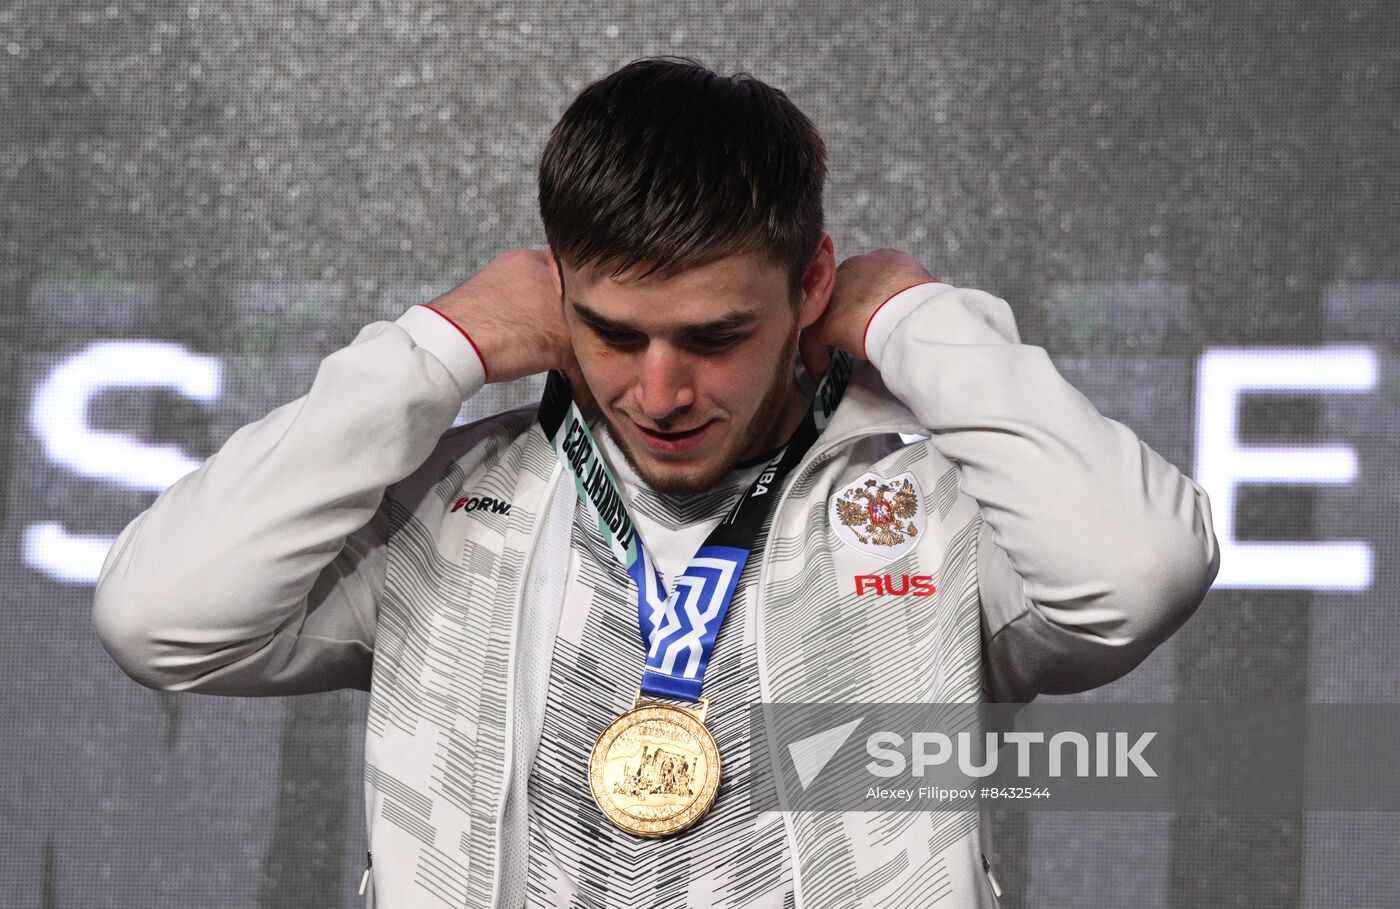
869,408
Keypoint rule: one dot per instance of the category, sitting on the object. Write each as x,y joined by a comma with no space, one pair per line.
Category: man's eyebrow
727,322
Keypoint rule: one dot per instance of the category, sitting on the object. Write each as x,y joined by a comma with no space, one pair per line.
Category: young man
500,588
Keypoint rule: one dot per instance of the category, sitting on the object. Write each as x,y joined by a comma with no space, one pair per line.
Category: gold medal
655,769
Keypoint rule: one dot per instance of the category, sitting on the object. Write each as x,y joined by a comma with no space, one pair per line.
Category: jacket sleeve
1093,548
260,572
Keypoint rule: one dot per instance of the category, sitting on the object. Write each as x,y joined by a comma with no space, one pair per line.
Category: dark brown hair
666,165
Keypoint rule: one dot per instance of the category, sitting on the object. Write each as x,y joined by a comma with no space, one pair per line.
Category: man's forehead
722,293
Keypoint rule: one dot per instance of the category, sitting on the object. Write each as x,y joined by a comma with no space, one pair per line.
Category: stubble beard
777,399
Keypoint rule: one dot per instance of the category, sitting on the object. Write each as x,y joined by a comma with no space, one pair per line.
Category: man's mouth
665,443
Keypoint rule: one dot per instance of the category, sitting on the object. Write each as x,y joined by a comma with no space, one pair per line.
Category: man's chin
670,481
677,477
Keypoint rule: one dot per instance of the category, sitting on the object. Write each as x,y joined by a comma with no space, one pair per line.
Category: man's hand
513,312
863,284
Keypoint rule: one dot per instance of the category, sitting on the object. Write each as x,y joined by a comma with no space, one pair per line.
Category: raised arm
260,572
1094,549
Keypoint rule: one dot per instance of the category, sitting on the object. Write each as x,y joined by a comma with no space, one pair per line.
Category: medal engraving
654,770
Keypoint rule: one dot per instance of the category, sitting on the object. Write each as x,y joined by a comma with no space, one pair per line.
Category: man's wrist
476,348
884,321
448,342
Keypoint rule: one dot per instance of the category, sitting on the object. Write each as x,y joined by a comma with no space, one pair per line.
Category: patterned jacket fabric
736,857
320,548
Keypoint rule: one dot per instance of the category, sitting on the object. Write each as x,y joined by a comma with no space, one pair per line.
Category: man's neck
793,407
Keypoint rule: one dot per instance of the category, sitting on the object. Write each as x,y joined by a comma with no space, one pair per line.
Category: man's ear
557,273
817,283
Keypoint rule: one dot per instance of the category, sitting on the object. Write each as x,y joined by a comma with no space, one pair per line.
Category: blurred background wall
1191,205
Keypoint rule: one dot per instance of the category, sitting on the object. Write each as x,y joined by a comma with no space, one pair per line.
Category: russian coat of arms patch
880,516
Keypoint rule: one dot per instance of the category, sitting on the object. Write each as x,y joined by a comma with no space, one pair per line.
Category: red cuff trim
865,334
485,370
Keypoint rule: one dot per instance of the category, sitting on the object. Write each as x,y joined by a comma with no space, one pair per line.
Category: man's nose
664,385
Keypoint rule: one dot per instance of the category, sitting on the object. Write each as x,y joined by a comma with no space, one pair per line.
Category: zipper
506,770
369,863
991,878
763,690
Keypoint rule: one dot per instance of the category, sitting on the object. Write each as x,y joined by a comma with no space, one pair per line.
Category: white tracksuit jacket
319,549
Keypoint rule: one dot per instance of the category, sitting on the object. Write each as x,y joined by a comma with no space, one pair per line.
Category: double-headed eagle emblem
880,513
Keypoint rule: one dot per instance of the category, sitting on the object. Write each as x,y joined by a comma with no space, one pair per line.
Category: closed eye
714,342
618,339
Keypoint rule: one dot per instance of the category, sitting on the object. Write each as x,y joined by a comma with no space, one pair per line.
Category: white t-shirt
733,856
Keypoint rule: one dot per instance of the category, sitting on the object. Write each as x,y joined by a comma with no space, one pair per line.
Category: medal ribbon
679,629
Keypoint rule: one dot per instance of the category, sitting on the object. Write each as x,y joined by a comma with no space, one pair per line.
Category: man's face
693,372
